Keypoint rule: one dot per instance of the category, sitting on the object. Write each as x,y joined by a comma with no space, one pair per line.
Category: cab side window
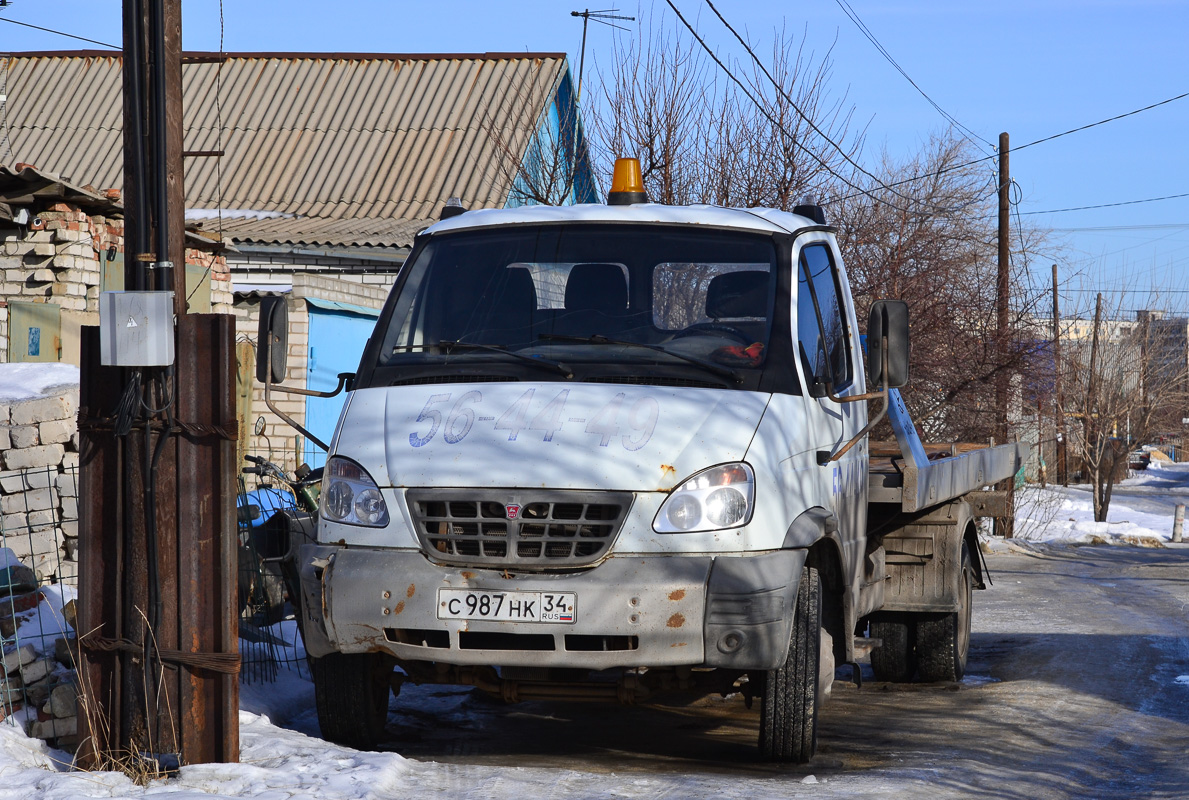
821,322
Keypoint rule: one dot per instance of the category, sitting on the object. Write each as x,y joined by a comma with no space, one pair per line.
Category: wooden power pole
1059,399
1005,525
158,641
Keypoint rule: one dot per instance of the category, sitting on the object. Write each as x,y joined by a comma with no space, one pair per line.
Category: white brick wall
38,482
63,264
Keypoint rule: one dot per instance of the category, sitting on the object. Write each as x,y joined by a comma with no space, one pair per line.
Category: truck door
826,344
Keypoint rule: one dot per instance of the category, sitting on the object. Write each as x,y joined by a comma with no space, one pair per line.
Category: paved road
1072,692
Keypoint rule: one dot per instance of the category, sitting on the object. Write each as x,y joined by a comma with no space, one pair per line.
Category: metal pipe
1178,522
164,278
134,65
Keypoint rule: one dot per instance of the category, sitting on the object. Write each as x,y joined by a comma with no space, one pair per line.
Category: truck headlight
713,499
350,495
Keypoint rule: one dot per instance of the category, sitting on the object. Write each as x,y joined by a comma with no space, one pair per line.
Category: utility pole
1090,420
598,16
1059,399
158,643
1005,525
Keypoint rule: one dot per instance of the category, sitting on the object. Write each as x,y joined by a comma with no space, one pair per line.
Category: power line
1101,122
796,108
776,125
1109,205
862,26
1105,290
59,33
943,170
1094,228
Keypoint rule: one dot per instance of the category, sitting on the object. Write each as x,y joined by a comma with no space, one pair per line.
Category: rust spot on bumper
677,594
676,621
412,590
467,574
399,607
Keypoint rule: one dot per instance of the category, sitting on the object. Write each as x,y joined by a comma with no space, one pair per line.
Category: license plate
507,606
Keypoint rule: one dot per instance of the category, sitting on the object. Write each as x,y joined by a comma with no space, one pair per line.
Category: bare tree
1124,381
702,137
548,163
927,234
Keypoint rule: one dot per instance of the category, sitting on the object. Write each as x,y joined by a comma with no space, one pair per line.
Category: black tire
788,712
943,640
351,694
894,660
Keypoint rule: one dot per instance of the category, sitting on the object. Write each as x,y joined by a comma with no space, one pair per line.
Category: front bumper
632,611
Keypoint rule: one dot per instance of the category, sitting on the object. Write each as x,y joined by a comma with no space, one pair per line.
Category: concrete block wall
39,483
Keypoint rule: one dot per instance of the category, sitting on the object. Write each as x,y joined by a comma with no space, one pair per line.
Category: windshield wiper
598,338
537,361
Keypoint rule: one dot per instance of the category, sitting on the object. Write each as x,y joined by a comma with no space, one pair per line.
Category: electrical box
136,329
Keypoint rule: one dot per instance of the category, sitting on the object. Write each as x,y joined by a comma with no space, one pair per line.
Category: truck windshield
562,291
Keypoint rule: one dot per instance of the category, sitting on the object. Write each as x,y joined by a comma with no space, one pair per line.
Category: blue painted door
338,334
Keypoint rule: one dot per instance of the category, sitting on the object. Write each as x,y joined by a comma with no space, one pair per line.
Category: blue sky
1032,69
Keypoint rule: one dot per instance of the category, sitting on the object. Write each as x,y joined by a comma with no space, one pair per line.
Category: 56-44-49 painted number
629,424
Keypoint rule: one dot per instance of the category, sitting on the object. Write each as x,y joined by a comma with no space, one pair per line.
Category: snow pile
46,623
29,381
1140,513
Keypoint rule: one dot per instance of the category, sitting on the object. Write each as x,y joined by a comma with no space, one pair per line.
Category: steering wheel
714,327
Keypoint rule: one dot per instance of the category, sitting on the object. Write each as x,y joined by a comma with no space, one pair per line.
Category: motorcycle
275,518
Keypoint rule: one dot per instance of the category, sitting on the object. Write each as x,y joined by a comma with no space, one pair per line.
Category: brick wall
278,436
62,263
39,482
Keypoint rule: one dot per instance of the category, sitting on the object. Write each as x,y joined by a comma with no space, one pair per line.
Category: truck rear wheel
788,713
943,640
351,693
894,660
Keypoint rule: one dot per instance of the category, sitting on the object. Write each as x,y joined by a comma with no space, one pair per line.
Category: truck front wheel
943,640
788,713
351,693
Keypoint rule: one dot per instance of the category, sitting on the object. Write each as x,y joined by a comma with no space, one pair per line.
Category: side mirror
889,318
272,342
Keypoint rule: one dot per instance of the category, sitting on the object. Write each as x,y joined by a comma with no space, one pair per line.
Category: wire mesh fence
39,587
275,513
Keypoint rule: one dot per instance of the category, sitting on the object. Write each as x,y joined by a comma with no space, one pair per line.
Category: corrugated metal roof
358,231
28,186
354,149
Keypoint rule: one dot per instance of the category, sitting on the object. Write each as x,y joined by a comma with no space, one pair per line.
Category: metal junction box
136,329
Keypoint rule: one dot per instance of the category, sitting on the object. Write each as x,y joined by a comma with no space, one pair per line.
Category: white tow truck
612,451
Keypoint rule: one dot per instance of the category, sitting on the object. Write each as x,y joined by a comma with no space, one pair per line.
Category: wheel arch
825,555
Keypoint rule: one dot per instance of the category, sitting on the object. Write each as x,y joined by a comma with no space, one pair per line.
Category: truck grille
518,528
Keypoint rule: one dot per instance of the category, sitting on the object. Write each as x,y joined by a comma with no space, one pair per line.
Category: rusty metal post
192,656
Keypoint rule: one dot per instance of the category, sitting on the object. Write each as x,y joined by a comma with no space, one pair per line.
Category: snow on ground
28,381
1140,513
